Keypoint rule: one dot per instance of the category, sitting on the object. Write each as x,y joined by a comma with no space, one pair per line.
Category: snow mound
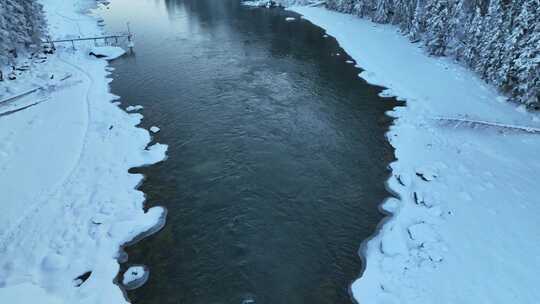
135,277
134,108
107,52
290,19
155,129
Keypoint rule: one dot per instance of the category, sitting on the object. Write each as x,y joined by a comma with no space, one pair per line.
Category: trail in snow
8,234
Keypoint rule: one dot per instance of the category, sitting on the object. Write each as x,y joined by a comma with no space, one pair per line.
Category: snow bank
68,202
465,228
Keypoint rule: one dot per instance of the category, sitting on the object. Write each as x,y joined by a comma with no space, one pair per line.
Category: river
277,156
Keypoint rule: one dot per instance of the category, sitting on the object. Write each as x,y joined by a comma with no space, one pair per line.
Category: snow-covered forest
21,25
498,39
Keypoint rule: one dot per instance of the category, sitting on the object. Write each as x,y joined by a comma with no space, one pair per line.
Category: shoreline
445,176
76,205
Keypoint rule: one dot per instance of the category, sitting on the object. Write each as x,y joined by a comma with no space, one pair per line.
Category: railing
127,35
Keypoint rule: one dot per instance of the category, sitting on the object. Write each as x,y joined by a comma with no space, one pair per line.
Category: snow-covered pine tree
418,25
403,14
384,11
345,6
438,26
365,8
21,25
527,60
492,41
470,50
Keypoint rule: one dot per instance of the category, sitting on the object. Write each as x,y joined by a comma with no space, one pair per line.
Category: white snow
289,19
68,202
154,129
134,108
24,293
466,228
107,52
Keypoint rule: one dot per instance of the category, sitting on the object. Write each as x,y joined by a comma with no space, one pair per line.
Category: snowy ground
466,226
68,202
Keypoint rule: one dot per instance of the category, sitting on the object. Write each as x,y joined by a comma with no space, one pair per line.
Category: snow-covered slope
466,227
68,202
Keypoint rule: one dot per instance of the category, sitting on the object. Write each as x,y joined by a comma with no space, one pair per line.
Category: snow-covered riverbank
68,202
465,228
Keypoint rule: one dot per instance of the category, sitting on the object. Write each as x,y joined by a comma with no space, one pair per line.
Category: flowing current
277,157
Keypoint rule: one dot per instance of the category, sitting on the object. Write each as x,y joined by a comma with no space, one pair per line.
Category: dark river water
277,155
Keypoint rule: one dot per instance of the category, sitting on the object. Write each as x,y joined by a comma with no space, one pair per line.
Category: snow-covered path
465,228
68,202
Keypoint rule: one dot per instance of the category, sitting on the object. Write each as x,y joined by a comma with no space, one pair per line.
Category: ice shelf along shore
68,202
464,228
